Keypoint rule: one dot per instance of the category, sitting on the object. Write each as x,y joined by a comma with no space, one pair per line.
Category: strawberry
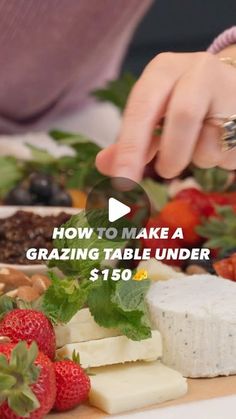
154,244
30,325
180,213
223,198
73,384
199,200
27,382
206,203
226,267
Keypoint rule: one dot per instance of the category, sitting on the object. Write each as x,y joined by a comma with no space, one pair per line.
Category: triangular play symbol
117,209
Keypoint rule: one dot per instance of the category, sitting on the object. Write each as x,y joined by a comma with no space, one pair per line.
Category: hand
185,88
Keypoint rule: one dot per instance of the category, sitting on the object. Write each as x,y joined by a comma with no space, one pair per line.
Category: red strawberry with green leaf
154,244
179,213
199,200
73,384
27,382
30,325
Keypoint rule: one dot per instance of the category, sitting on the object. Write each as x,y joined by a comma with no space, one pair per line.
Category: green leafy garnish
157,193
81,268
117,91
40,155
10,174
220,232
130,295
79,169
119,305
69,138
212,180
115,309
64,298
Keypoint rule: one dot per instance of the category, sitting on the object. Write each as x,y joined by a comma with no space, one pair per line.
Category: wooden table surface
199,389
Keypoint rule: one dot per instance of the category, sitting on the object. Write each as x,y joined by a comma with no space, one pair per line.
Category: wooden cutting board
198,389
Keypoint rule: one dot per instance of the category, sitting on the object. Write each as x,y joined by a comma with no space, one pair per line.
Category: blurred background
183,25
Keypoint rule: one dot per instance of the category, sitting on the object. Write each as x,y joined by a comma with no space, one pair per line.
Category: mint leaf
80,169
116,91
64,298
157,193
10,174
68,138
82,268
130,295
107,313
76,141
40,155
118,305
101,307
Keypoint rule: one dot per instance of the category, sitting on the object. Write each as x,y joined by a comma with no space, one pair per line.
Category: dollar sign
94,274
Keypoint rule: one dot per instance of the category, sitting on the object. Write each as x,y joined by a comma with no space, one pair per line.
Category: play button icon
117,204
117,210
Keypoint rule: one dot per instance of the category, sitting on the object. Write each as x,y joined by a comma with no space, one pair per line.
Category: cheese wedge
196,317
114,350
158,271
120,388
81,328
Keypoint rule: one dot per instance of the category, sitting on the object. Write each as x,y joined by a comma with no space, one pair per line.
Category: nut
12,293
195,269
5,339
177,268
12,278
40,283
27,293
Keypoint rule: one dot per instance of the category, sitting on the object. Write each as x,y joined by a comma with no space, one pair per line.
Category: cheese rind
81,328
120,388
114,350
197,320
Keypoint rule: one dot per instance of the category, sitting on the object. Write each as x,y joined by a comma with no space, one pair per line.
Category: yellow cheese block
120,388
114,350
81,328
158,271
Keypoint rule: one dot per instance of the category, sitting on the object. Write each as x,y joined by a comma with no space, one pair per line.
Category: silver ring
227,125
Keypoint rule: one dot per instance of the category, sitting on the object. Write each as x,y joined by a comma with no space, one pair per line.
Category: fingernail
122,183
123,172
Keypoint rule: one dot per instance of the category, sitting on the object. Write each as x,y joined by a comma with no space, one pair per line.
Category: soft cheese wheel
197,320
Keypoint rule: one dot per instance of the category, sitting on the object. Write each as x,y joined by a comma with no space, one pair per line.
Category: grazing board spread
104,344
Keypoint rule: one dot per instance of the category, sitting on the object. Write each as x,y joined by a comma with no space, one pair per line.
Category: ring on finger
227,126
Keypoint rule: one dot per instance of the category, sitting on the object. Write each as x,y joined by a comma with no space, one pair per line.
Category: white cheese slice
158,271
114,350
120,388
197,320
82,327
